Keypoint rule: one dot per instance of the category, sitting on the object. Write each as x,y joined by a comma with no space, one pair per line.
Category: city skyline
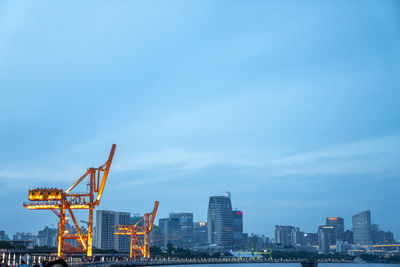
292,107
243,215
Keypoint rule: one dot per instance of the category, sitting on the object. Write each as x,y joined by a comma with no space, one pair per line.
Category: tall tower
220,221
362,227
338,225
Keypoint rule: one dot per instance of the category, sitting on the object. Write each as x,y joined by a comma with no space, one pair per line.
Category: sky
292,106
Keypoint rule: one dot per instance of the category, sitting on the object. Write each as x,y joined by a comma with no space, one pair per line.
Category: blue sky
293,106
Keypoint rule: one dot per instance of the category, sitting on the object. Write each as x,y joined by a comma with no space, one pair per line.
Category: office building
47,237
3,236
348,236
220,220
170,231
283,235
311,239
362,227
338,225
297,237
199,233
186,228
104,237
237,226
326,236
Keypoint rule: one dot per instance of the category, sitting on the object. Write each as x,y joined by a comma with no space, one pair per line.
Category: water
291,265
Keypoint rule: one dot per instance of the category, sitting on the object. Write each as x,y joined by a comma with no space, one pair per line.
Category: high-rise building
237,226
3,236
283,235
170,231
220,221
104,237
297,237
326,235
362,227
338,225
47,237
348,236
200,233
186,228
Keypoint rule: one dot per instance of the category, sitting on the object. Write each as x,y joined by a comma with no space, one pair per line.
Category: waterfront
297,265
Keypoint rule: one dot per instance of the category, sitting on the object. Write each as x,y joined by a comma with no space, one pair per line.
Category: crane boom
105,174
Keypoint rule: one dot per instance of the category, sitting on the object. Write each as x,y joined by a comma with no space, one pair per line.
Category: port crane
60,202
139,234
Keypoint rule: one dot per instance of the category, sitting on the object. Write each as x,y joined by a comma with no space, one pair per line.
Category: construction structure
139,234
60,202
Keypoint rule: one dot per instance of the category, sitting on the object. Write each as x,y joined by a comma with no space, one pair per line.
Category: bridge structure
61,202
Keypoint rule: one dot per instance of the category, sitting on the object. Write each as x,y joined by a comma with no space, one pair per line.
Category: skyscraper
170,230
338,225
220,221
283,235
186,228
237,226
326,236
105,227
362,227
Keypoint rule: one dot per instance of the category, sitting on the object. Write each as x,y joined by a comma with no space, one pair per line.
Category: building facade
238,237
338,225
220,221
170,231
362,227
104,237
326,237
200,233
185,229
283,235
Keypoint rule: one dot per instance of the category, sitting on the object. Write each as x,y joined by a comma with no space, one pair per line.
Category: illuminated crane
139,233
56,199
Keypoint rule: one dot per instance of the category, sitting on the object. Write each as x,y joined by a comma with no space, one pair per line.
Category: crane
139,234
60,202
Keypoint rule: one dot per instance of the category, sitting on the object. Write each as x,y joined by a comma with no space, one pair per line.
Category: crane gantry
60,201
139,234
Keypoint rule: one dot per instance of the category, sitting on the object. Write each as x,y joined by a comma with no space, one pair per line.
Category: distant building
311,239
170,231
200,233
338,225
186,228
326,235
283,235
24,236
220,220
47,237
297,237
104,237
135,218
362,227
237,226
3,236
156,237
257,242
348,236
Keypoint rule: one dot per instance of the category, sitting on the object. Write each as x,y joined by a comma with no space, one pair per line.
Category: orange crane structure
139,234
60,201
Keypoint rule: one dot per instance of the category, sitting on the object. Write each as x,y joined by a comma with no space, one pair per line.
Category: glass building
220,221
362,227
338,225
